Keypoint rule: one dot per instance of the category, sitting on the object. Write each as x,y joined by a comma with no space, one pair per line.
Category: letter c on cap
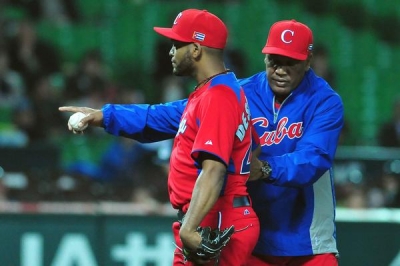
283,36
177,17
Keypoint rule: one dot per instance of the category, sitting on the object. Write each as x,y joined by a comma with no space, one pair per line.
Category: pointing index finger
70,109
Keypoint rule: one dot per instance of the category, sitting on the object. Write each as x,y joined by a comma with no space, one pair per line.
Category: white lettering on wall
396,260
31,249
74,249
136,252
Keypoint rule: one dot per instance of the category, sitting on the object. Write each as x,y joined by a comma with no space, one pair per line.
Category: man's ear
308,61
197,50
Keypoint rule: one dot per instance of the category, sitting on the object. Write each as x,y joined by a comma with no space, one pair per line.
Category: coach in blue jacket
298,118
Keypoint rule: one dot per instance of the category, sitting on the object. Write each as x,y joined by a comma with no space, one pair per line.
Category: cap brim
279,51
167,32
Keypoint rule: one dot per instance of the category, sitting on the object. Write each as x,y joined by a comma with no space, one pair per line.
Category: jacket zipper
276,113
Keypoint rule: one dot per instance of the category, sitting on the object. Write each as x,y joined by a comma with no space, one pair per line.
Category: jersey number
245,169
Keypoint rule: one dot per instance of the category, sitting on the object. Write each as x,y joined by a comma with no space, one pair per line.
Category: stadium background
363,42
359,34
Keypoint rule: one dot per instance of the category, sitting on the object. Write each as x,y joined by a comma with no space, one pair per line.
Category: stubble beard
185,67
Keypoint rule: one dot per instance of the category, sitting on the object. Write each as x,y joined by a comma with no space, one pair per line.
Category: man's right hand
255,166
94,117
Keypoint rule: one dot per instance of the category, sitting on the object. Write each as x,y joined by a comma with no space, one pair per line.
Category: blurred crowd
35,81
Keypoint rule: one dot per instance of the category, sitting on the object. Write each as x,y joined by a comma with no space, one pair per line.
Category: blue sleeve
143,122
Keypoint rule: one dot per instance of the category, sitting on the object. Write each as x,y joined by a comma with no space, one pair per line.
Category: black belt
241,201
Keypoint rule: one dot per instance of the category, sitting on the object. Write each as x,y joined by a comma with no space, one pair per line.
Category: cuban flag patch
199,36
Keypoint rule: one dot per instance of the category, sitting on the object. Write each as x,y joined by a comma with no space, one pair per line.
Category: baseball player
210,160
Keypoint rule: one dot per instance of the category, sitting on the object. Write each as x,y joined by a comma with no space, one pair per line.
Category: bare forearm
204,196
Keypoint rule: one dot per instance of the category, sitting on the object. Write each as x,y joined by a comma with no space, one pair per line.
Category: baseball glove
212,242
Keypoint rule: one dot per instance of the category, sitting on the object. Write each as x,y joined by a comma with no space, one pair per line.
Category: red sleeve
218,122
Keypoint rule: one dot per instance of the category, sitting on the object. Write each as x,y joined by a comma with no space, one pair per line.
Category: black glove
212,242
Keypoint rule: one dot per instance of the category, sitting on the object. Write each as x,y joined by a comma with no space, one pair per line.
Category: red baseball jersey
216,120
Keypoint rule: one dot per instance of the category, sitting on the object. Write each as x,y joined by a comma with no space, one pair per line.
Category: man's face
181,59
284,73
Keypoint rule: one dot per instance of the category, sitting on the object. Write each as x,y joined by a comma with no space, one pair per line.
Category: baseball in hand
74,121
